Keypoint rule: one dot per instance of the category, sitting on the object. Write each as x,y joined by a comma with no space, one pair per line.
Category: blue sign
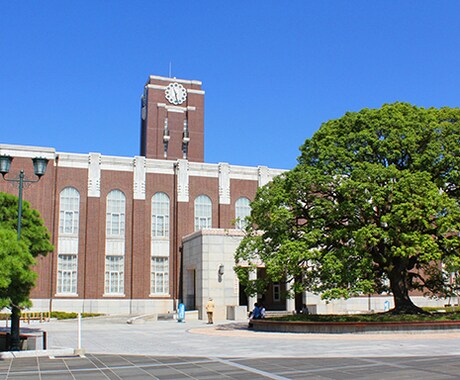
181,313
386,306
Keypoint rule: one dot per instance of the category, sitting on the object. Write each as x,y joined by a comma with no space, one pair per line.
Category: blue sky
72,72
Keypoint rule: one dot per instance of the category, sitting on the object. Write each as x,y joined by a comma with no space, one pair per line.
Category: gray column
290,302
253,299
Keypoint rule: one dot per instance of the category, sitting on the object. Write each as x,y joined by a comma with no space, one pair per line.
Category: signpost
181,313
386,306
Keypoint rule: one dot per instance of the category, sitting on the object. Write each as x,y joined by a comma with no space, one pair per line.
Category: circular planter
352,327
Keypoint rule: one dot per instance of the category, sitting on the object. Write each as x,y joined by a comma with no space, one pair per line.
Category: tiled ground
95,367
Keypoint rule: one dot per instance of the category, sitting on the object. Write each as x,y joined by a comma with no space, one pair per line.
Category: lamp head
40,166
5,164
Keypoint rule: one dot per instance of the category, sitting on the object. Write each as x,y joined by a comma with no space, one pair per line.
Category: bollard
181,313
79,350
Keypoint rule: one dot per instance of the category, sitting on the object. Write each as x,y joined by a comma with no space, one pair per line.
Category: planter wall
352,327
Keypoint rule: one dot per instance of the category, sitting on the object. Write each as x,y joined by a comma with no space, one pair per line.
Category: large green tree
17,258
371,207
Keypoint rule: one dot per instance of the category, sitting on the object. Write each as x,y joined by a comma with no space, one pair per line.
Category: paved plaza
194,350
102,367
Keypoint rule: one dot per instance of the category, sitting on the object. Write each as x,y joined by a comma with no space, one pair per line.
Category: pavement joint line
142,369
335,368
178,370
393,365
101,370
38,367
152,365
67,367
9,369
251,369
355,367
405,366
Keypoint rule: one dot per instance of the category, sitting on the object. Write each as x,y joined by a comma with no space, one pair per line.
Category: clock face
175,93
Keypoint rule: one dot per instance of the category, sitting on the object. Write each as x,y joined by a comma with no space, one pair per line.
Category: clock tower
172,119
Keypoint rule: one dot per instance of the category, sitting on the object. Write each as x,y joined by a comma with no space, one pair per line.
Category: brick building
118,224
141,234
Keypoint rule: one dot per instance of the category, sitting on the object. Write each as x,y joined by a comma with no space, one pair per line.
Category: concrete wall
107,306
205,252
361,304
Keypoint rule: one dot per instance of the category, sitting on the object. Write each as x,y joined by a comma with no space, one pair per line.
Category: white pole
79,351
79,332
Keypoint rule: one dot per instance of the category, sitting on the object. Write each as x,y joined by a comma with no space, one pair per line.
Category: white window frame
114,277
68,232
116,209
69,211
67,273
159,279
160,215
203,212
242,210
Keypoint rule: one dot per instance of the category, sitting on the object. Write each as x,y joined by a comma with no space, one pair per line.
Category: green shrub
376,317
66,315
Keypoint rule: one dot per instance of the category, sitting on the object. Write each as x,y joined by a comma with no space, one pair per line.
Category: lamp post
39,170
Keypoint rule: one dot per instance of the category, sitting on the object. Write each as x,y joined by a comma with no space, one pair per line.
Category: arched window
69,207
203,212
160,215
242,210
159,269
67,260
115,222
115,243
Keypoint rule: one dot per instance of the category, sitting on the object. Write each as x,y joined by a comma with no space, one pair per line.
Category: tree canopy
33,232
16,276
371,207
17,258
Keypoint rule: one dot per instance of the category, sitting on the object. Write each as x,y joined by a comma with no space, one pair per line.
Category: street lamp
39,170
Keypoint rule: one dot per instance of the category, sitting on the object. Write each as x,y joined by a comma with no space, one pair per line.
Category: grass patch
56,314
436,314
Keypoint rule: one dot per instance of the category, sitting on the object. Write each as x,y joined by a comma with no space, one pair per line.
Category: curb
37,353
307,327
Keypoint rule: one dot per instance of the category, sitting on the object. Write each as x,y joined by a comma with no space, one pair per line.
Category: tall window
69,204
242,211
115,225
203,212
115,243
160,215
69,218
67,274
159,273
114,274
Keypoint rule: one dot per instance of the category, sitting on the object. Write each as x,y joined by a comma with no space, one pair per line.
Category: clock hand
175,93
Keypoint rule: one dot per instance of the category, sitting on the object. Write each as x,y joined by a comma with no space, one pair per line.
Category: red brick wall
44,196
152,128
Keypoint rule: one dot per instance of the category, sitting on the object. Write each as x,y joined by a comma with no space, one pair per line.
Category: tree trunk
14,332
400,290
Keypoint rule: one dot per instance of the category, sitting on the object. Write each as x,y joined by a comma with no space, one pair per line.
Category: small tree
371,207
17,257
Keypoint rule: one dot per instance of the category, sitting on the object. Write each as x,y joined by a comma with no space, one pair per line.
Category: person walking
210,310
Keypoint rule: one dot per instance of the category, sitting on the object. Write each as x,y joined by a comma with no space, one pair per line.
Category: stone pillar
290,302
252,299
